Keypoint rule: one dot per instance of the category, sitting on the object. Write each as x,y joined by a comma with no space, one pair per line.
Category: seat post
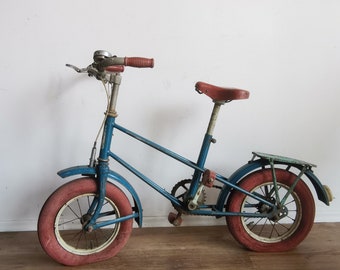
213,117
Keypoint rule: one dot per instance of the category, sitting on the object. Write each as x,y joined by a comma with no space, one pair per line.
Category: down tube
145,179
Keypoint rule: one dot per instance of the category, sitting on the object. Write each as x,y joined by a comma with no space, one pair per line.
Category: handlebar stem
115,80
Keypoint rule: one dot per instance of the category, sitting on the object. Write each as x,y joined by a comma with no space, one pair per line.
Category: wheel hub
279,213
85,219
274,214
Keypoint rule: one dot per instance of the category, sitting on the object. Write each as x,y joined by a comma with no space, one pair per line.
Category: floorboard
185,248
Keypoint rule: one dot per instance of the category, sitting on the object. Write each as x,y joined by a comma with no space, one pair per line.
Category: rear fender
90,171
259,164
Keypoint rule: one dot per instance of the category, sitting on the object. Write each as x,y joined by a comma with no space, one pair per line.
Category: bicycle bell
101,55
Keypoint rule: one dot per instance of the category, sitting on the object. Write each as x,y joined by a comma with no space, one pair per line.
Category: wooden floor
185,248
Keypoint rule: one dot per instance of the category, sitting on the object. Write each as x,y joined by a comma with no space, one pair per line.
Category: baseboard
31,224
18,225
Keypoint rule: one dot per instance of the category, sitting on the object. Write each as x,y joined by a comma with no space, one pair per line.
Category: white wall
287,53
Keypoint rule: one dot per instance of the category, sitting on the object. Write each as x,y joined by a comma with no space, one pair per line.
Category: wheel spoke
287,203
263,226
264,190
292,219
69,207
81,214
273,229
69,221
284,226
88,201
80,237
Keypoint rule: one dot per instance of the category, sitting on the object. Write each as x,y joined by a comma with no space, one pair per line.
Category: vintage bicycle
266,202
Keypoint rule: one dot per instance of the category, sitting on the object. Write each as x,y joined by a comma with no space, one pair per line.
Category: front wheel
64,214
276,233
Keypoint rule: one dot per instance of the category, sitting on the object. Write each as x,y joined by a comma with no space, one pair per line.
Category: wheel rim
69,229
264,229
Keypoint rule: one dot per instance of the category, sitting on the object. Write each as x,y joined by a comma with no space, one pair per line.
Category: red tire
64,213
277,233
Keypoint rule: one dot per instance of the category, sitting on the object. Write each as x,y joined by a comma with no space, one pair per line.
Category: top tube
161,148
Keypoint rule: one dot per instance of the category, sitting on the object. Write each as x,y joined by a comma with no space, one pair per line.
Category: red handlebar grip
138,62
115,68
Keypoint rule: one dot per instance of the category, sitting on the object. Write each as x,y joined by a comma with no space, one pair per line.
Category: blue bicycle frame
102,172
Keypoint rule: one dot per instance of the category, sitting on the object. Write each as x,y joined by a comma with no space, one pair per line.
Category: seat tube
208,139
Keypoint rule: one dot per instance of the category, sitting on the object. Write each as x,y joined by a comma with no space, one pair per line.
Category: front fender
91,171
255,165
83,170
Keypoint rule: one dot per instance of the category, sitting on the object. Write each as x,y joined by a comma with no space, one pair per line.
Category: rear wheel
280,232
65,213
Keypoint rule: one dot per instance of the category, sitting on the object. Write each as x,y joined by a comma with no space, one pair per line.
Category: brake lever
77,69
91,71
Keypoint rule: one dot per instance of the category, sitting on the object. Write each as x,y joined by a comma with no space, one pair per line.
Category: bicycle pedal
175,219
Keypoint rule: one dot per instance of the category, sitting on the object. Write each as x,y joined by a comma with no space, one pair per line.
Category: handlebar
138,62
104,62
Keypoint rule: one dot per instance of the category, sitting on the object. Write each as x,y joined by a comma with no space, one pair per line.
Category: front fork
97,203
